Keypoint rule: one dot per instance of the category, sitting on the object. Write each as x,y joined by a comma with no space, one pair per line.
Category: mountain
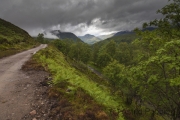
13,39
63,35
123,36
123,33
103,37
90,39
49,35
128,38
132,32
10,33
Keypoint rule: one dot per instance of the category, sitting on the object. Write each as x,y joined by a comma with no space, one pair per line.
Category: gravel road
16,88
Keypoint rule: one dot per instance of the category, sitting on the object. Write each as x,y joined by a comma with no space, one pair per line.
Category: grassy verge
62,72
7,50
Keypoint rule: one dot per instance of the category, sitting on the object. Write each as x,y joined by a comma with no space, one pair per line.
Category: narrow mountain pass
16,88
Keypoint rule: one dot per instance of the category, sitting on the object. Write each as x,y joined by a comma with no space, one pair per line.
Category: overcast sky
79,16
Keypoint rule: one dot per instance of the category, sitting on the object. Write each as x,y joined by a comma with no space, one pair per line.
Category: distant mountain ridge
123,33
124,36
132,32
90,39
61,35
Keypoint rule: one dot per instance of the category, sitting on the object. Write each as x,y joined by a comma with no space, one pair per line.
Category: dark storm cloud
104,14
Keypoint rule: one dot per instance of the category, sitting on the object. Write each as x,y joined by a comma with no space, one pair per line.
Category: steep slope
65,35
124,36
118,39
132,32
49,35
13,38
68,79
90,39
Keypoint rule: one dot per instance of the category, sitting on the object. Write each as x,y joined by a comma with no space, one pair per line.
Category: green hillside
13,39
118,48
82,84
89,39
127,77
128,38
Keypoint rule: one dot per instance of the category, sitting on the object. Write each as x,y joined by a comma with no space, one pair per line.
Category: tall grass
54,61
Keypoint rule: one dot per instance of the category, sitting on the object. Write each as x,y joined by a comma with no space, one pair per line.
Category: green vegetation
128,38
55,62
41,39
13,39
147,69
142,69
75,50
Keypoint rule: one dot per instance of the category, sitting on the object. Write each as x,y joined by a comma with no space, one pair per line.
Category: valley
69,72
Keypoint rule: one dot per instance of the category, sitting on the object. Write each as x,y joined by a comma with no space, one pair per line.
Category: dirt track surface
16,87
